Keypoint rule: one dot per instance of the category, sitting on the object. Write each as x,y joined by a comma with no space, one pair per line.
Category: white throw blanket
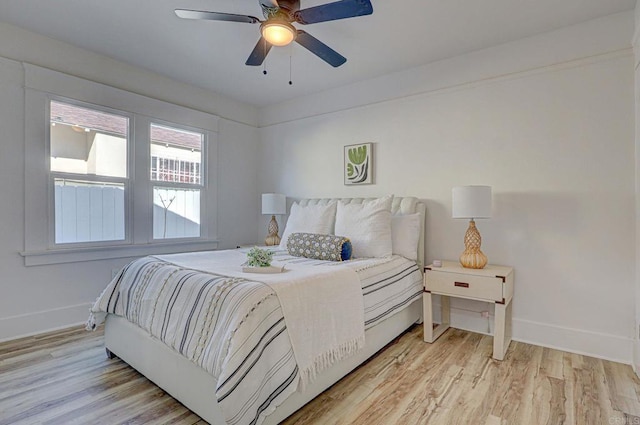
322,306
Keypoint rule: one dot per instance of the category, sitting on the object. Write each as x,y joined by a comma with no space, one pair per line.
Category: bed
204,374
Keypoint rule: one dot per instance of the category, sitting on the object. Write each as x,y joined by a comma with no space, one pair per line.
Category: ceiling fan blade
259,53
215,16
320,49
333,11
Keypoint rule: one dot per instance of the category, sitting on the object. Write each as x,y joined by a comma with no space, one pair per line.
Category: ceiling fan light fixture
278,33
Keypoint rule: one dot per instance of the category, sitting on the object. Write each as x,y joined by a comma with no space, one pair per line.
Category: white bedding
305,295
388,284
234,327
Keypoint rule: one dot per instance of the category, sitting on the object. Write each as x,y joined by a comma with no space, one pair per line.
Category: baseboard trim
595,344
604,346
26,325
636,357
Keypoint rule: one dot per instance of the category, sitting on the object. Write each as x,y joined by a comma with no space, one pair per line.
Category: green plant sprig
257,257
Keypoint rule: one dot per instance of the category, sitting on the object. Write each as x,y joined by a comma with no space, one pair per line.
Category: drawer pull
461,284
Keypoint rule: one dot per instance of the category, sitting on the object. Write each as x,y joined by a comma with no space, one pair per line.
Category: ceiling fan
277,28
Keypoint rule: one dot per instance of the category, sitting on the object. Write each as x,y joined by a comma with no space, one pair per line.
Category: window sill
76,255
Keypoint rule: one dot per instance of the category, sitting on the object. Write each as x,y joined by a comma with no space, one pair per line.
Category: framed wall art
358,164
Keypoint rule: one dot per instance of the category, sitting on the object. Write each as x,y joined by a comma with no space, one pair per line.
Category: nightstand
492,284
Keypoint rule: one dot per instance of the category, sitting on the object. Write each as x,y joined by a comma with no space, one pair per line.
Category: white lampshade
471,202
274,203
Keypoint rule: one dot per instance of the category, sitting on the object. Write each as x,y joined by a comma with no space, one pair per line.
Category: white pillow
405,235
367,225
309,219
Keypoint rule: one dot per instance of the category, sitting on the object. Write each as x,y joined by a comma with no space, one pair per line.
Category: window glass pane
88,211
176,213
87,141
178,154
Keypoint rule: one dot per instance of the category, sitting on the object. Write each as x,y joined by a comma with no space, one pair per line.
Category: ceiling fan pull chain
264,63
290,60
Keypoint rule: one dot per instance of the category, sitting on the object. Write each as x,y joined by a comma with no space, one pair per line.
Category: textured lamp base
273,238
472,257
473,260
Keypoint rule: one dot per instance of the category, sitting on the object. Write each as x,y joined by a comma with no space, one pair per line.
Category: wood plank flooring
65,378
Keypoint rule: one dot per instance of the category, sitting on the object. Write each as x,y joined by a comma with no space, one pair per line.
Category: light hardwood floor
65,378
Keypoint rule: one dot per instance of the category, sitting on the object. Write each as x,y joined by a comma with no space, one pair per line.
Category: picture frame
358,164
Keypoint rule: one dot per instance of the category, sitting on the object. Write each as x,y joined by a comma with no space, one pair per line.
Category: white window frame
41,86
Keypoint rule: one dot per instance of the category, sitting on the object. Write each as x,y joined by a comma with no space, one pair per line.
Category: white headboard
400,206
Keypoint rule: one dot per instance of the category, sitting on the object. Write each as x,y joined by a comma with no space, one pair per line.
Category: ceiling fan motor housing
290,5
285,10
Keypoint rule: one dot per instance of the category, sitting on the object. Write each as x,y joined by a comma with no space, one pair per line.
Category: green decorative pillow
320,247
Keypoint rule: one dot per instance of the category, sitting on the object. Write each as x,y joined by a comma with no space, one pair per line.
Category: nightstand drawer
464,285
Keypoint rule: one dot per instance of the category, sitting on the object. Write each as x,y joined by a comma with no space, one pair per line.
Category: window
88,169
176,171
113,174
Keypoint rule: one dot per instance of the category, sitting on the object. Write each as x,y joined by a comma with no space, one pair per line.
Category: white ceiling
400,34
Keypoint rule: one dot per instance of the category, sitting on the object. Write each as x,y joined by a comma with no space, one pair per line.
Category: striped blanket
234,327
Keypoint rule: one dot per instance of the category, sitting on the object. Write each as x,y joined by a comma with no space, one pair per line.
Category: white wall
238,188
38,298
551,132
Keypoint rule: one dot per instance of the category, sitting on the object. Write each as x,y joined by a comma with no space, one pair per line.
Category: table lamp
273,203
472,202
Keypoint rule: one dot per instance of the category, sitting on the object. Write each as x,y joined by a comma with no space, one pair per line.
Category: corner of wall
636,49
585,40
28,47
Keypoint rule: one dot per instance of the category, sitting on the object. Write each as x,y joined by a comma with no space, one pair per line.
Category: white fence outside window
86,212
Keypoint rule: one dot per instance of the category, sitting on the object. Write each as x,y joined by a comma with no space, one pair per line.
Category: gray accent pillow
319,246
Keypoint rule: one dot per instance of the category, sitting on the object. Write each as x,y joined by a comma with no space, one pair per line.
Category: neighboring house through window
89,151
176,172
